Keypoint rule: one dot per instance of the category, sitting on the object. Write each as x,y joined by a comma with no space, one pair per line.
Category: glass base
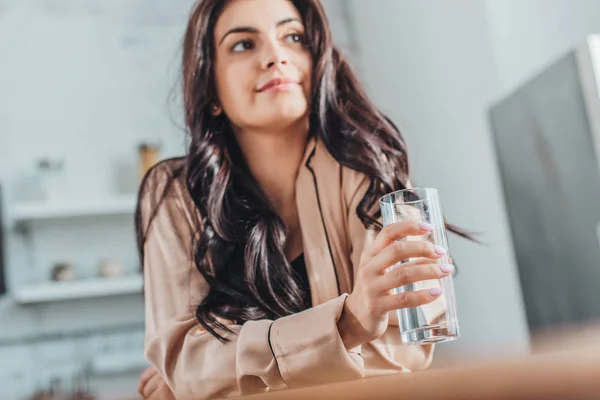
439,333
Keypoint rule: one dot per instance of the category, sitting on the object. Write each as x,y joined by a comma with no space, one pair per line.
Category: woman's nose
274,54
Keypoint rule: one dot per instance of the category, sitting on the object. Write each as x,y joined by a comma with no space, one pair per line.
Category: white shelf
82,289
73,208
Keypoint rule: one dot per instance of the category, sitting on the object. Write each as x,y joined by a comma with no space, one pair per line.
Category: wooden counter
565,374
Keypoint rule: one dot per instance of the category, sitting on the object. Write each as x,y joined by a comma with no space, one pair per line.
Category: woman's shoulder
163,190
164,173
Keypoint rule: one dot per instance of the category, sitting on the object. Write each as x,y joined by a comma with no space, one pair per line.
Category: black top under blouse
301,276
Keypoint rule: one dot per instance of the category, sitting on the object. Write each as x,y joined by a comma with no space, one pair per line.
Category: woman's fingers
409,299
398,251
411,273
151,388
416,261
145,377
393,232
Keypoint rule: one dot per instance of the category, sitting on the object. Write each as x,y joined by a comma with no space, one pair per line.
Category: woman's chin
284,114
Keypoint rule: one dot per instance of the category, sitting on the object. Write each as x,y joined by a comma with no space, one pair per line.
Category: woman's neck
274,159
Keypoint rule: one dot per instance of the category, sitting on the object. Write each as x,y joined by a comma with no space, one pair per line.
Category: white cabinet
16,375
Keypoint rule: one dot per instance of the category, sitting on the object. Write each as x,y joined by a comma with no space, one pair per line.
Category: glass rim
384,199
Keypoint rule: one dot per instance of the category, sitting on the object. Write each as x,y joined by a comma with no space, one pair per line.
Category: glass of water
437,321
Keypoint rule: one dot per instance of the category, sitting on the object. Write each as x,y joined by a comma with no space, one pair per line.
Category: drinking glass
437,321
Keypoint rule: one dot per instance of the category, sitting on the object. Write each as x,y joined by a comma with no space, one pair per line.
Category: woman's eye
242,45
294,38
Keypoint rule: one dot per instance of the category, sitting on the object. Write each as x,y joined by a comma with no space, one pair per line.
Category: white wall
430,65
529,34
86,80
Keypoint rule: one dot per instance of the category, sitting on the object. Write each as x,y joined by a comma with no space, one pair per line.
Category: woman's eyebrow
287,21
239,29
249,29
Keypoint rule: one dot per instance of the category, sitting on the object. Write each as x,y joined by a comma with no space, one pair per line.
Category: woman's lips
278,85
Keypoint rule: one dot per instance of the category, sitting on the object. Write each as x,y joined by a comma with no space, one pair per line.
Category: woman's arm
386,354
297,350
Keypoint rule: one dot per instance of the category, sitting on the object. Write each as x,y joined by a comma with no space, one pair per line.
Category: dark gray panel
552,190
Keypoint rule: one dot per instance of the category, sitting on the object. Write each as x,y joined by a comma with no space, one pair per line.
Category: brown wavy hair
239,246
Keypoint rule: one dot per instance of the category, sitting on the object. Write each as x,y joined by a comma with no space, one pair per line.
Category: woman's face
262,67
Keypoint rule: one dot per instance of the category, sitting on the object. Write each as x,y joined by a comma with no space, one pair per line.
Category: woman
262,264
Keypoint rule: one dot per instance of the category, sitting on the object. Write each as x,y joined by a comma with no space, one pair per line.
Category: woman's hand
151,386
365,315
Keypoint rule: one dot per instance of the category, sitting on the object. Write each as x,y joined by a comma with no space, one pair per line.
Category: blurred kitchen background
89,97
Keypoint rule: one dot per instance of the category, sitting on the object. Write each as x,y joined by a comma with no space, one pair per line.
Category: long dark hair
239,246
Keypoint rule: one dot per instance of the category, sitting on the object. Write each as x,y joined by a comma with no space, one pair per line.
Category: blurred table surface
562,366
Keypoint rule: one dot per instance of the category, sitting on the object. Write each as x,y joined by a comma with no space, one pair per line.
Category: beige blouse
298,350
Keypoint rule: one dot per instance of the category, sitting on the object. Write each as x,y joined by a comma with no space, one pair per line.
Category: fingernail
424,226
447,267
436,291
440,250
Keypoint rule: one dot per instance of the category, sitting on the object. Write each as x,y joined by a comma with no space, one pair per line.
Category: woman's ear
216,110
